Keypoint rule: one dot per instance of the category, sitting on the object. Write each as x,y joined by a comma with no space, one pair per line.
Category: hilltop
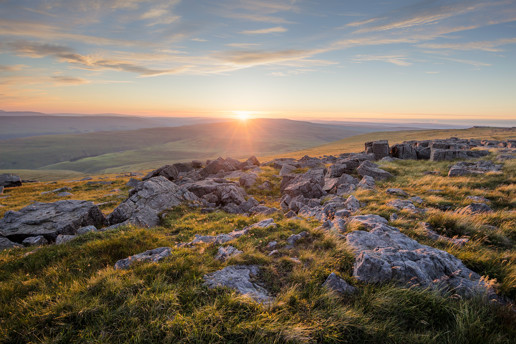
404,242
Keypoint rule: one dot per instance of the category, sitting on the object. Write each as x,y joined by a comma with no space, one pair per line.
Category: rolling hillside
145,148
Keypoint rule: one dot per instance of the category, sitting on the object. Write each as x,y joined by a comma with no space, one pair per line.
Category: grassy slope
122,150
356,143
70,293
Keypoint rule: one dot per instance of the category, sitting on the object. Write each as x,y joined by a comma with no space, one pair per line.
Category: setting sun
243,115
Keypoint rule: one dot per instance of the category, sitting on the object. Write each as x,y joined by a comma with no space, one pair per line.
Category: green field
116,151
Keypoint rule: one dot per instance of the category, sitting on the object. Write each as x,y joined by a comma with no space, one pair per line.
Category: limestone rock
366,183
338,285
385,254
154,255
10,180
148,200
227,252
6,243
367,168
474,208
238,277
396,191
63,238
35,240
170,172
380,149
50,219
403,151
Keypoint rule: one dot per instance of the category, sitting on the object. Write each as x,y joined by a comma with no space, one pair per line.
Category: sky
331,59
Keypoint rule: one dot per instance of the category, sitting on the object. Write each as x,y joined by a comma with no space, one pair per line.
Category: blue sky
423,60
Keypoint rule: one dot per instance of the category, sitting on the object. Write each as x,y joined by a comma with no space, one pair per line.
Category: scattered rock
57,191
50,219
35,240
238,277
86,229
396,191
480,167
474,208
271,245
10,180
352,204
154,255
429,232
63,238
295,238
367,168
132,183
286,169
478,199
248,180
338,285
379,149
227,252
403,151
6,243
402,205
367,183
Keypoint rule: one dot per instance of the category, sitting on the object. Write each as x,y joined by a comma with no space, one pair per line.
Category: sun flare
243,115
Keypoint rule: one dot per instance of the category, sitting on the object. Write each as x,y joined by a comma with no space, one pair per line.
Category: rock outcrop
147,200
385,254
50,219
367,168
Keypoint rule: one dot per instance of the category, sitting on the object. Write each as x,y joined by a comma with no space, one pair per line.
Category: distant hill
146,148
26,124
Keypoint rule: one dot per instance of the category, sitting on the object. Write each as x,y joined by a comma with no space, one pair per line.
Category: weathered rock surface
50,219
396,191
385,254
10,180
380,149
453,154
338,285
64,238
404,151
227,252
366,183
429,232
308,184
221,193
35,240
480,167
291,240
367,168
154,255
474,208
148,200
168,171
239,278
402,205
6,243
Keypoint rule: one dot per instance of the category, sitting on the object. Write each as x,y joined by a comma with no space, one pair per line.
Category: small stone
35,240
338,285
154,255
62,238
474,208
396,191
227,252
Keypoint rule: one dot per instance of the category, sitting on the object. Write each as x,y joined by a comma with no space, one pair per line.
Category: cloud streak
276,29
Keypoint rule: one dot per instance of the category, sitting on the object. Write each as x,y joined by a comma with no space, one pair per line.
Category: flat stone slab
385,254
154,255
238,277
50,219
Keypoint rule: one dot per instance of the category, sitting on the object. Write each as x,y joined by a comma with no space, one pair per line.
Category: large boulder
10,180
220,165
403,151
480,167
385,254
367,168
147,200
50,219
380,149
238,277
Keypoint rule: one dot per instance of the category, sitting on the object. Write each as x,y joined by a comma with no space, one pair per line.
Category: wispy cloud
394,59
67,54
492,46
242,45
253,58
68,80
276,29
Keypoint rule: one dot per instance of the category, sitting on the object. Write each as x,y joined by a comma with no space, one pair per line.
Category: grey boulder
338,285
10,180
35,240
50,219
226,252
367,168
385,254
148,200
6,243
238,277
154,255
